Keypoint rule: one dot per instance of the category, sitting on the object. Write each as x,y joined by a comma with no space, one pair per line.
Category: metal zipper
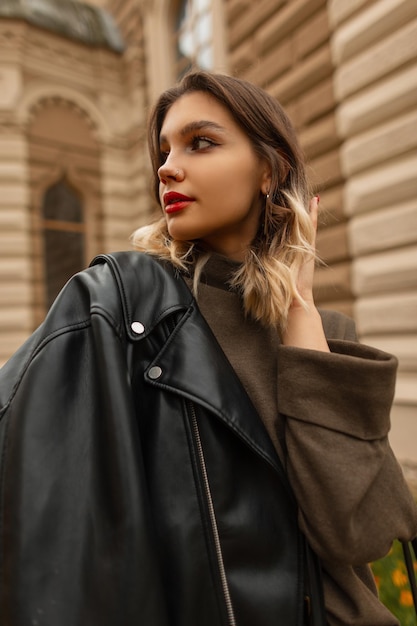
213,521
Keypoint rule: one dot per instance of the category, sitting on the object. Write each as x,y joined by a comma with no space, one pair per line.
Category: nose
169,170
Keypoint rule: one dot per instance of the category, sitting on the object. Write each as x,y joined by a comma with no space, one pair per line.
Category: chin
183,234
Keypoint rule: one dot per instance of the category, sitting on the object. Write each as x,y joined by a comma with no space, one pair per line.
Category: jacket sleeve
353,499
75,532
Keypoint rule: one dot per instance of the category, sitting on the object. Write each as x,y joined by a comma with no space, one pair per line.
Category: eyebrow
197,125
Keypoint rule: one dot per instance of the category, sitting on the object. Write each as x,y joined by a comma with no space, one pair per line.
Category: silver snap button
155,372
137,328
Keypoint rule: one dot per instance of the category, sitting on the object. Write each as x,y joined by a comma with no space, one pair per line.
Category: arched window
194,35
64,233
180,35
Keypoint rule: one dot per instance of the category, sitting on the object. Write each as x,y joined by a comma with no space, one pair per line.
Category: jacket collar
149,289
191,362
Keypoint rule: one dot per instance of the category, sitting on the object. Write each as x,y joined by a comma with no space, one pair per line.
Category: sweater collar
218,271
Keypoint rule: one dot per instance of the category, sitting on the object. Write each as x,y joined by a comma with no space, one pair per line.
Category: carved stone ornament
92,25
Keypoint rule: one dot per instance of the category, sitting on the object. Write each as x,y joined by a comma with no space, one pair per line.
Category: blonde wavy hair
267,279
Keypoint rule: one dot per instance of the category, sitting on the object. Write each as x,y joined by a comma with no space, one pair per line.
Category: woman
186,440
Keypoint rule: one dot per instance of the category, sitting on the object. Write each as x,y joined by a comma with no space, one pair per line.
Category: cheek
244,176
228,183
244,187
161,191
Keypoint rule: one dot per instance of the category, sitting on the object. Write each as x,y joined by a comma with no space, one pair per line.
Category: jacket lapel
190,363
193,365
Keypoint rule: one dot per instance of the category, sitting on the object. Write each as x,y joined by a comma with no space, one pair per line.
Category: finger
314,210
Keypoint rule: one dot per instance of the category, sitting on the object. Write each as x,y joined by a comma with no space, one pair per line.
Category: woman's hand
304,327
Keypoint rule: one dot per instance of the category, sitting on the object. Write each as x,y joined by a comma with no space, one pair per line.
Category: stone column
15,236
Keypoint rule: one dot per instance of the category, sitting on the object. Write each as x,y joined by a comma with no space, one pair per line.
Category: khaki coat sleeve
352,495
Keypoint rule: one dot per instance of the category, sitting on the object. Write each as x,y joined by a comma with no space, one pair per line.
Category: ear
266,178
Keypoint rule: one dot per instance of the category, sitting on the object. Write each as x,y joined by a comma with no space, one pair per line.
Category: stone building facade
73,108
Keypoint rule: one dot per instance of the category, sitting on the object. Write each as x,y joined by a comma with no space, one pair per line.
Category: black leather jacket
138,485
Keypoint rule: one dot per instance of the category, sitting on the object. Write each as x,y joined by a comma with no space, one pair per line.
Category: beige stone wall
43,74
15,227
374,49
126,165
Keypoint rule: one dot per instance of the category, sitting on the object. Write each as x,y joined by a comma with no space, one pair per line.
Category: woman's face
212,182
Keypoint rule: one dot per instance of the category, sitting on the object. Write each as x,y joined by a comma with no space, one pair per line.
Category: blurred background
76,83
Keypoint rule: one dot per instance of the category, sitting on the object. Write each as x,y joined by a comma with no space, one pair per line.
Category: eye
163,155
201,143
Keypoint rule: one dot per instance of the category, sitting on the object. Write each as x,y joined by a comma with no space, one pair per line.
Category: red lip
174,201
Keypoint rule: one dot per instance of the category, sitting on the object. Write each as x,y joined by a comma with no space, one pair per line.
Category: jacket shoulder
149,288
70,312
122,287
